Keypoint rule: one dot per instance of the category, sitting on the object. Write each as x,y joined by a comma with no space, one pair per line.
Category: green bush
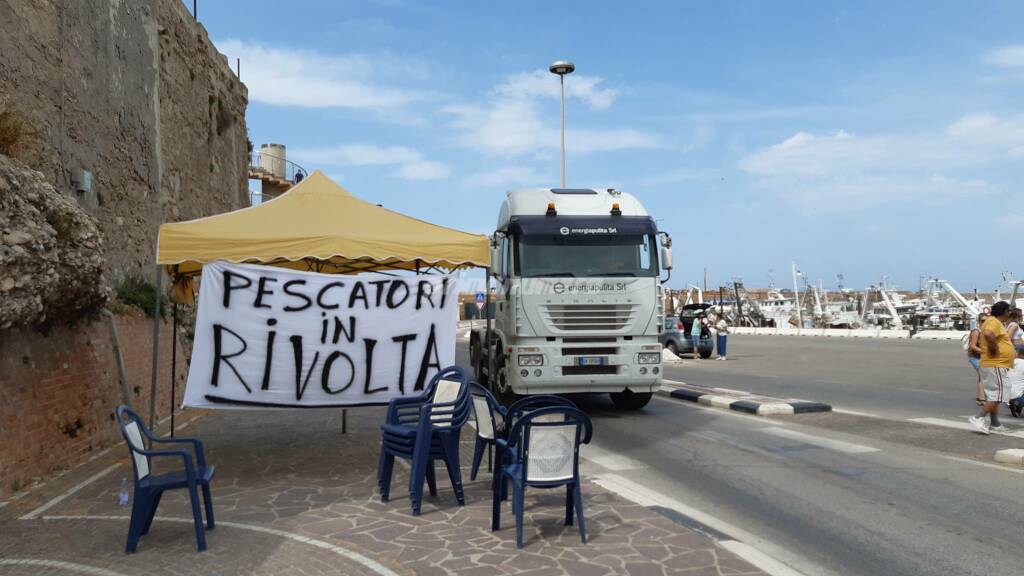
140,294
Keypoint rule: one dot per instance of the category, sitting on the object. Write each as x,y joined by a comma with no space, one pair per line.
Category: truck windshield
586,256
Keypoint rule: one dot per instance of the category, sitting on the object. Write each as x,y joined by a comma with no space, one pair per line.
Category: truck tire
629,400
501,387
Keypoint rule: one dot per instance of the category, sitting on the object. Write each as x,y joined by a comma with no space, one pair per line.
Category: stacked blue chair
423,429
542,450
149,487
486,410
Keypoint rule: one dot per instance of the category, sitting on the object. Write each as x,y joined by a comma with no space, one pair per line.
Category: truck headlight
647,358
531,359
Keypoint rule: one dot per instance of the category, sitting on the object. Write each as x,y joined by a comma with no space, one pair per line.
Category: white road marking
959,425
758,558
837,445
354,556
983,464
645,496
676,382
731,391
855,413
31,515
610,460
69,566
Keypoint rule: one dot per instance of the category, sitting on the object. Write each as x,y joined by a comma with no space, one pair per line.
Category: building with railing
270,165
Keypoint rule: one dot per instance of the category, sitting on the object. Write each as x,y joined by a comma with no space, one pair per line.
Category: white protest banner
273,337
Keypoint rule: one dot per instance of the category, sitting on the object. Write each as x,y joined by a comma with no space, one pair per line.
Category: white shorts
995,384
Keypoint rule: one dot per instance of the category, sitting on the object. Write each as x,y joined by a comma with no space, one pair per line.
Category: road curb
758,406
1010,456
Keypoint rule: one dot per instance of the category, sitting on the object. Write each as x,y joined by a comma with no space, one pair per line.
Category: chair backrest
547,442
449,397
531,403
133,431
484,405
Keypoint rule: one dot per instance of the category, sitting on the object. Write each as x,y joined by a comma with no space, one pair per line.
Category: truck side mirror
666,258
497,260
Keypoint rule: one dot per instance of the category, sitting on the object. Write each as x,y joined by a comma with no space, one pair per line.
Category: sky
870,139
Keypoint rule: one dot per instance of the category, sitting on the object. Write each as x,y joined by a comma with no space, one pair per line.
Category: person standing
1013,328
695,331
974,357
997,355
722,332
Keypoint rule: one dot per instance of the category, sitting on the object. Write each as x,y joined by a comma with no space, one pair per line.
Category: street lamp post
562,68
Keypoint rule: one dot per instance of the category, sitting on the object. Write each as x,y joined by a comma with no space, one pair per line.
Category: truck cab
578,298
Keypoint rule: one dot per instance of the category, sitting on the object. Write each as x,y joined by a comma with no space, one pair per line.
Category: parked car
676,334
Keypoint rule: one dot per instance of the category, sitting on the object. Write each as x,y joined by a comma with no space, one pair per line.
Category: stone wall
135,93
60,390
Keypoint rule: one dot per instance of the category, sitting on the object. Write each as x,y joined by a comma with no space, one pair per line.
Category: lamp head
562,67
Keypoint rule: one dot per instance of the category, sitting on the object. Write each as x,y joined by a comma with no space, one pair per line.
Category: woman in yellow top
997,356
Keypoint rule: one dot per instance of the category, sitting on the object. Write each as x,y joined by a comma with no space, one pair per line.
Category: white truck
578,301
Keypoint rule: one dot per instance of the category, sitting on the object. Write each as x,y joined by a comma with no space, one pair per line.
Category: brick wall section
59,392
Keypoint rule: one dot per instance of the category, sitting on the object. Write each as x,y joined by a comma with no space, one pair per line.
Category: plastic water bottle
122,495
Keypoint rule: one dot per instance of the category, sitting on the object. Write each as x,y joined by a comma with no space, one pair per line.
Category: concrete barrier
828,332
941,335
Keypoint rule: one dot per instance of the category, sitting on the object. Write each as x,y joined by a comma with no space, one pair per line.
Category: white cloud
289,77
507,177
1011,56
543,84
828,172
510,127
411,163
424,170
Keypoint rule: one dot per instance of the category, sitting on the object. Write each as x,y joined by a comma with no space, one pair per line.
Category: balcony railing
267,166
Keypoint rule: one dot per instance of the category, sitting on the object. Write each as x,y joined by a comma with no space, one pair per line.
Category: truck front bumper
563,372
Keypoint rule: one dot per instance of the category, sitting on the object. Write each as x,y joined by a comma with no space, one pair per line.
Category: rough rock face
51,252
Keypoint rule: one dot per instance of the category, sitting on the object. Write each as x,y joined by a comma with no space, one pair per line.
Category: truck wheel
672,348
502,388
629,400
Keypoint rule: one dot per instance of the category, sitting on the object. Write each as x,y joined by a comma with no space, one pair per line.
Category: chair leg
578,495
495,504
197,518
490,461
154,502
518,501
387,465
141,502
208,504
432,478
478,456
568,504
451,460
416,477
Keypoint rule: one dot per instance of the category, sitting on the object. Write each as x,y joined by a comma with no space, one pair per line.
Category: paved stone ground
293,495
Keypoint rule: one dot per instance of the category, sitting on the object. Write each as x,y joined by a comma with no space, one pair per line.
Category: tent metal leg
174,361
156,346
344,421
487,332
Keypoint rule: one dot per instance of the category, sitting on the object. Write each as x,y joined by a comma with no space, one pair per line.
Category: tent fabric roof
318,225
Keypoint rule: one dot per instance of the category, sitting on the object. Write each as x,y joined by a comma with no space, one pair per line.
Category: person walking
695,331
974,357
722,332
997,355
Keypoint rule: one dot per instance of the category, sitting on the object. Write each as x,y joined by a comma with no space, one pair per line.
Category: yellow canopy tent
317,225
320,226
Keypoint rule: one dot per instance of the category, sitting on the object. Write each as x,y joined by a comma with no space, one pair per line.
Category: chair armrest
196,443
402,406
184,454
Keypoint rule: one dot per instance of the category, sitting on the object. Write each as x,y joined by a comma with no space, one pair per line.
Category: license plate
592,360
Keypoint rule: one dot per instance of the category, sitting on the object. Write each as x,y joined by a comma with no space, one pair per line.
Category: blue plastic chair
423,429
488,428
542,450
149,487
512,415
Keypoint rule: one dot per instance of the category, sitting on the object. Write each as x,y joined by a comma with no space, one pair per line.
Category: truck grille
579,317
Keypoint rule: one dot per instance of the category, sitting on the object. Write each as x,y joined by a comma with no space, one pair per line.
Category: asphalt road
831,493
899,378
